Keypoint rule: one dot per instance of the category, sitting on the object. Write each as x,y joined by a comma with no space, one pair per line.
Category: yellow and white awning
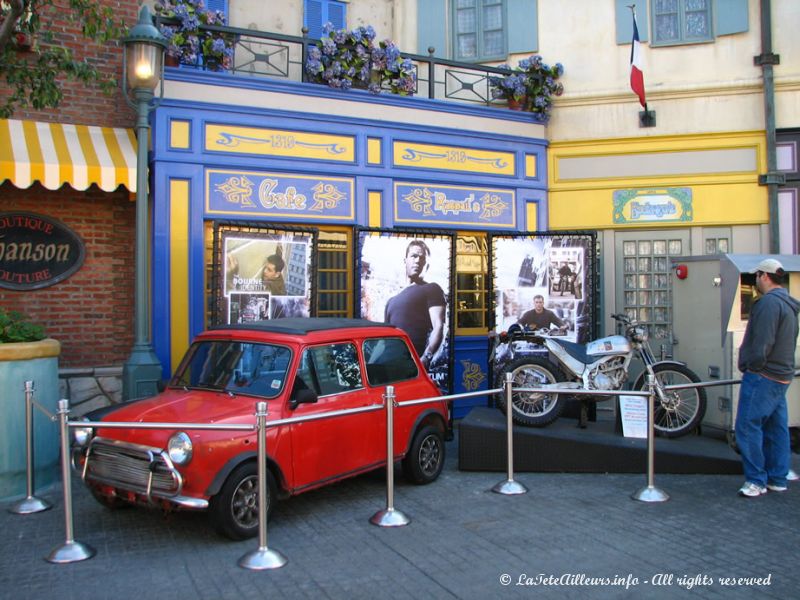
56,153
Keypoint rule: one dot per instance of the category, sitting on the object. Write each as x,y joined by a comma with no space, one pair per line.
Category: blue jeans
762,430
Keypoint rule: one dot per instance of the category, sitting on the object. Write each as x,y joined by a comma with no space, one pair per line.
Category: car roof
301,325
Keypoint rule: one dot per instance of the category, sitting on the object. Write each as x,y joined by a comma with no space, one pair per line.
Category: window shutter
336,14
730,16
625,21
432,27
523,28
220,5
318,12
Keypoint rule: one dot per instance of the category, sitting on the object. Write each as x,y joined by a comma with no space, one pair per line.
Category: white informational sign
633,411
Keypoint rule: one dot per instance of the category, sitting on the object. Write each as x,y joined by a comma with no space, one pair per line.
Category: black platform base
563,447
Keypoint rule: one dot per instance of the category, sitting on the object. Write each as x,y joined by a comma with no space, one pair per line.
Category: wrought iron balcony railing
276,55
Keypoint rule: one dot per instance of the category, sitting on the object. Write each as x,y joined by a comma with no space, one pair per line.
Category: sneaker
776,488
792,475
751,490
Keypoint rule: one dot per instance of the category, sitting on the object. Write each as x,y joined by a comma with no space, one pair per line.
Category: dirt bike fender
643,374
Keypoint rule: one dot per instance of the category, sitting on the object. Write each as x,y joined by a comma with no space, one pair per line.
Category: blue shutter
625,21
432,27
336,14
318,12
730,16
220,5
523,26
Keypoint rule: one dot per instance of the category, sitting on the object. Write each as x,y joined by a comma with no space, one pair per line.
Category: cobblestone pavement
562,539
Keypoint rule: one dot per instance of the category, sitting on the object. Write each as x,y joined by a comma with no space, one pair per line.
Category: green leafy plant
15,327
34,60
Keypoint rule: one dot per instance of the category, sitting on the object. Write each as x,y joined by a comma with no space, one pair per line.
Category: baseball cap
768,265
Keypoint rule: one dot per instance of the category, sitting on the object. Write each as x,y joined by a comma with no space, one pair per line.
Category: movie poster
405,281
541,283
266,276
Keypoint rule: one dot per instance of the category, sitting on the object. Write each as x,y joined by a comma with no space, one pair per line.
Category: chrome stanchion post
650,493
263,558
70,551
509,487
31,504
389,517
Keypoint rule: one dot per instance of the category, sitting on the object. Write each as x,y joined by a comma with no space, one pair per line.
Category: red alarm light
682,271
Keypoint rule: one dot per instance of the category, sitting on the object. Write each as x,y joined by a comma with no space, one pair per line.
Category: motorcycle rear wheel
684,409
531,409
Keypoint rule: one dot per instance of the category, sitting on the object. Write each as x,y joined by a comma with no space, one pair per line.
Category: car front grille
133,467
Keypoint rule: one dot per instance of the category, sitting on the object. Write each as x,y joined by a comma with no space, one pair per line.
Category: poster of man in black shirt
405,281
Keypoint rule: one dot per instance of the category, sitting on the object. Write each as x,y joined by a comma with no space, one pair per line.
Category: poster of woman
405,281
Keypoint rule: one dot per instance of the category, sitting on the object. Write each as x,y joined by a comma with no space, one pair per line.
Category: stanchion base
389,518
70,552
30,505
262,559
509,487
650,494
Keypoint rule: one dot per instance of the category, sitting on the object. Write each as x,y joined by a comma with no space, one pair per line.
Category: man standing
766,359
419,308
539,317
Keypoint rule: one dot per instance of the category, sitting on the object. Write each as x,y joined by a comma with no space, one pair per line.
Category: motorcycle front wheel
529,408
682,410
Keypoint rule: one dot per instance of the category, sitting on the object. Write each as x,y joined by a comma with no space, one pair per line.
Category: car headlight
82,435
179,448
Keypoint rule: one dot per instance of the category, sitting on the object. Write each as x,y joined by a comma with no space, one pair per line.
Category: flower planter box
21,362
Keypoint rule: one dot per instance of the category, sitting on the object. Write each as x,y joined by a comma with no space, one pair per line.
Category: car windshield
236,367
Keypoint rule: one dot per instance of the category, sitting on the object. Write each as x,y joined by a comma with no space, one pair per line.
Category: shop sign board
36,251
653,205
453,158
423,204
258,193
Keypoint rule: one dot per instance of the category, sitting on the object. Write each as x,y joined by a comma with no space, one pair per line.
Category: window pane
644,264
696,5
644,247
666,28
629,248
493,17
466,21
722,245
659,247
645,282
467,47
660,264
465,3
630,282
675,247
630,265
697,25
493,43
388,360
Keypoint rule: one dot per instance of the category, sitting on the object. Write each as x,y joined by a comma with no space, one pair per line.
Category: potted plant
26,354
532,83
188,44
344,59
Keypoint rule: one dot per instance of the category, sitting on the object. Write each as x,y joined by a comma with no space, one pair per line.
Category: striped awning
55,153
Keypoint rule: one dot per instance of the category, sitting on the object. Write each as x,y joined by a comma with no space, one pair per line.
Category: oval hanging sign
36,251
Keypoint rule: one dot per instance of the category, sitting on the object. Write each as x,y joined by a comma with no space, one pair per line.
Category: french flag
637,76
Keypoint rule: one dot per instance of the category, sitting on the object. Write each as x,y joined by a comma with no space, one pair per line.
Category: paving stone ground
570,536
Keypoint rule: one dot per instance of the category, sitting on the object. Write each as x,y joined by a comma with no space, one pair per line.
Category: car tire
425,459
234,510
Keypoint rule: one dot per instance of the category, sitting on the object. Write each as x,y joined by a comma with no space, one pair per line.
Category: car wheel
425,459
234,511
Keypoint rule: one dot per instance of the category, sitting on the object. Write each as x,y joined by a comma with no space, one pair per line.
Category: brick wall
91,312
83,104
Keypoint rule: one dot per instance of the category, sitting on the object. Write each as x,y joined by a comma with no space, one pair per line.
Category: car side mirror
302,395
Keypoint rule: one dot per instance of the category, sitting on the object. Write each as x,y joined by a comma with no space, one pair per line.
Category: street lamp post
143,72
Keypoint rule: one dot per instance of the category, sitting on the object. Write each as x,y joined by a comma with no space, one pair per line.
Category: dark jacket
771,336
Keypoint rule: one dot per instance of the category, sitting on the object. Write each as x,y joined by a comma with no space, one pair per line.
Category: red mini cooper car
299,367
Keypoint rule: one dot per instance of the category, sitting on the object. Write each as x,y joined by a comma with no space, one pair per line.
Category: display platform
563,447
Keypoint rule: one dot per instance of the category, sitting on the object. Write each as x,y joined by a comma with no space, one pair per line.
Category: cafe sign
36,251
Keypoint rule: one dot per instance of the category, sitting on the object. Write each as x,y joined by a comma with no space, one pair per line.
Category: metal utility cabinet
711,306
